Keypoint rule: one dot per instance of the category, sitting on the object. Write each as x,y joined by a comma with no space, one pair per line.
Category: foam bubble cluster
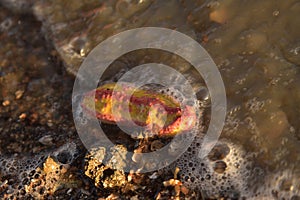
230,172
223,173
38,176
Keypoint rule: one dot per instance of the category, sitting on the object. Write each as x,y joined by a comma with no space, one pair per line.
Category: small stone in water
22,116
220,166
276,13
46,140
19,94
220,151
6,103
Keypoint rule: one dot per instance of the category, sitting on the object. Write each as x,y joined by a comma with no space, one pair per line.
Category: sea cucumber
156,112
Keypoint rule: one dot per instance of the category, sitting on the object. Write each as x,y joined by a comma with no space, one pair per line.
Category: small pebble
82,53
220,151
134,197
19,94
50,123
22,116
276,13
154,175
6,103
46,140
156,144
69,191
220,166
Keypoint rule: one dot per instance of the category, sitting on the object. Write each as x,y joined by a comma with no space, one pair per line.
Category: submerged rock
76,28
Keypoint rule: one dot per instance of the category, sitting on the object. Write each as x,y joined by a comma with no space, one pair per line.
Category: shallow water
256,47
256,51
